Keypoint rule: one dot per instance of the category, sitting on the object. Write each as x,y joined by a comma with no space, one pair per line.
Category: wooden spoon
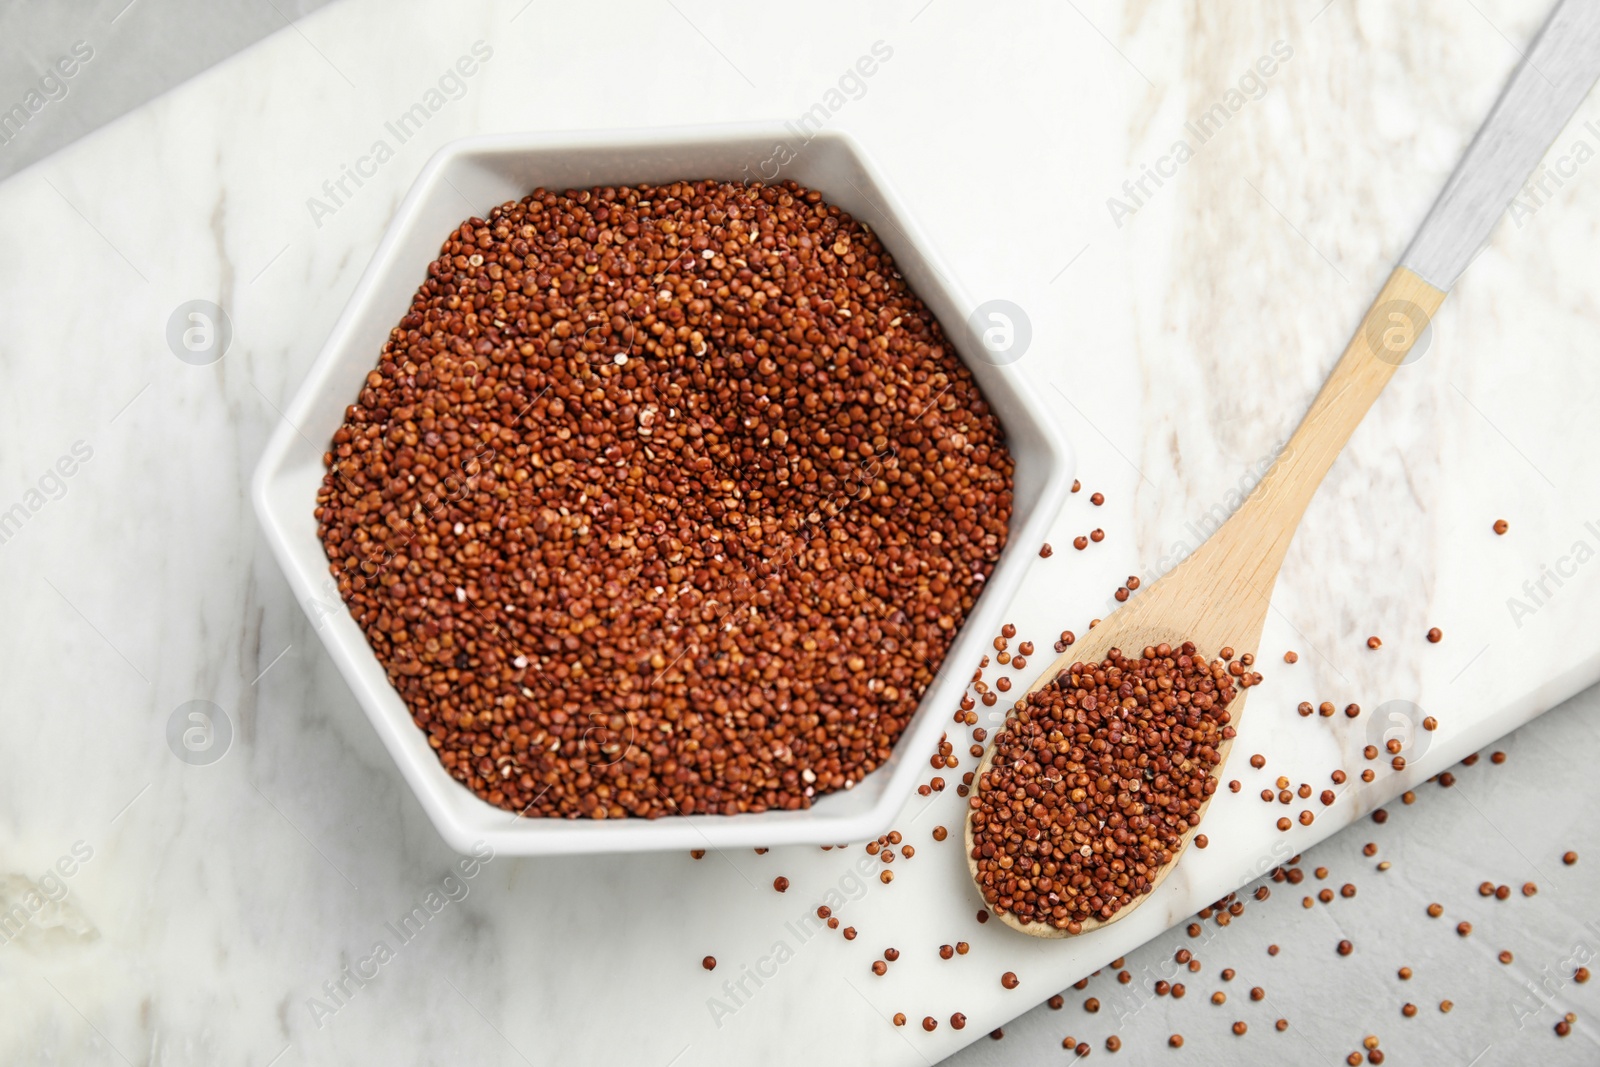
1218,596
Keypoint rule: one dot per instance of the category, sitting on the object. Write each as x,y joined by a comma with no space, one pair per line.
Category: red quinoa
1094,784
664,499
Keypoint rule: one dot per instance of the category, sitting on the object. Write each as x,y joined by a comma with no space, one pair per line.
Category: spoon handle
1392,325
1555,75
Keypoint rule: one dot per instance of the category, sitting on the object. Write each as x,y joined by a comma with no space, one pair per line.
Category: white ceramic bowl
473,175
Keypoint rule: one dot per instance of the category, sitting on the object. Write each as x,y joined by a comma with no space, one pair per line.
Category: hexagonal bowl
469,177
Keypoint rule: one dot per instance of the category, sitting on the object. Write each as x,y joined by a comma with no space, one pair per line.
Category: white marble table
211,909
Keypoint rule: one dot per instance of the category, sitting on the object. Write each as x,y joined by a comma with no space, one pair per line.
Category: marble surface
189,905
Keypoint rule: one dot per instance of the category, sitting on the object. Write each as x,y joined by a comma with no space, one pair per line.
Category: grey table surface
1507,824
136,50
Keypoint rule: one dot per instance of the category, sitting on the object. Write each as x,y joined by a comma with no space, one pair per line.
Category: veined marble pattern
188,913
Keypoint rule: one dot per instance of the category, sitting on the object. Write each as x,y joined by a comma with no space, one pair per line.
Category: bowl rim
540,836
